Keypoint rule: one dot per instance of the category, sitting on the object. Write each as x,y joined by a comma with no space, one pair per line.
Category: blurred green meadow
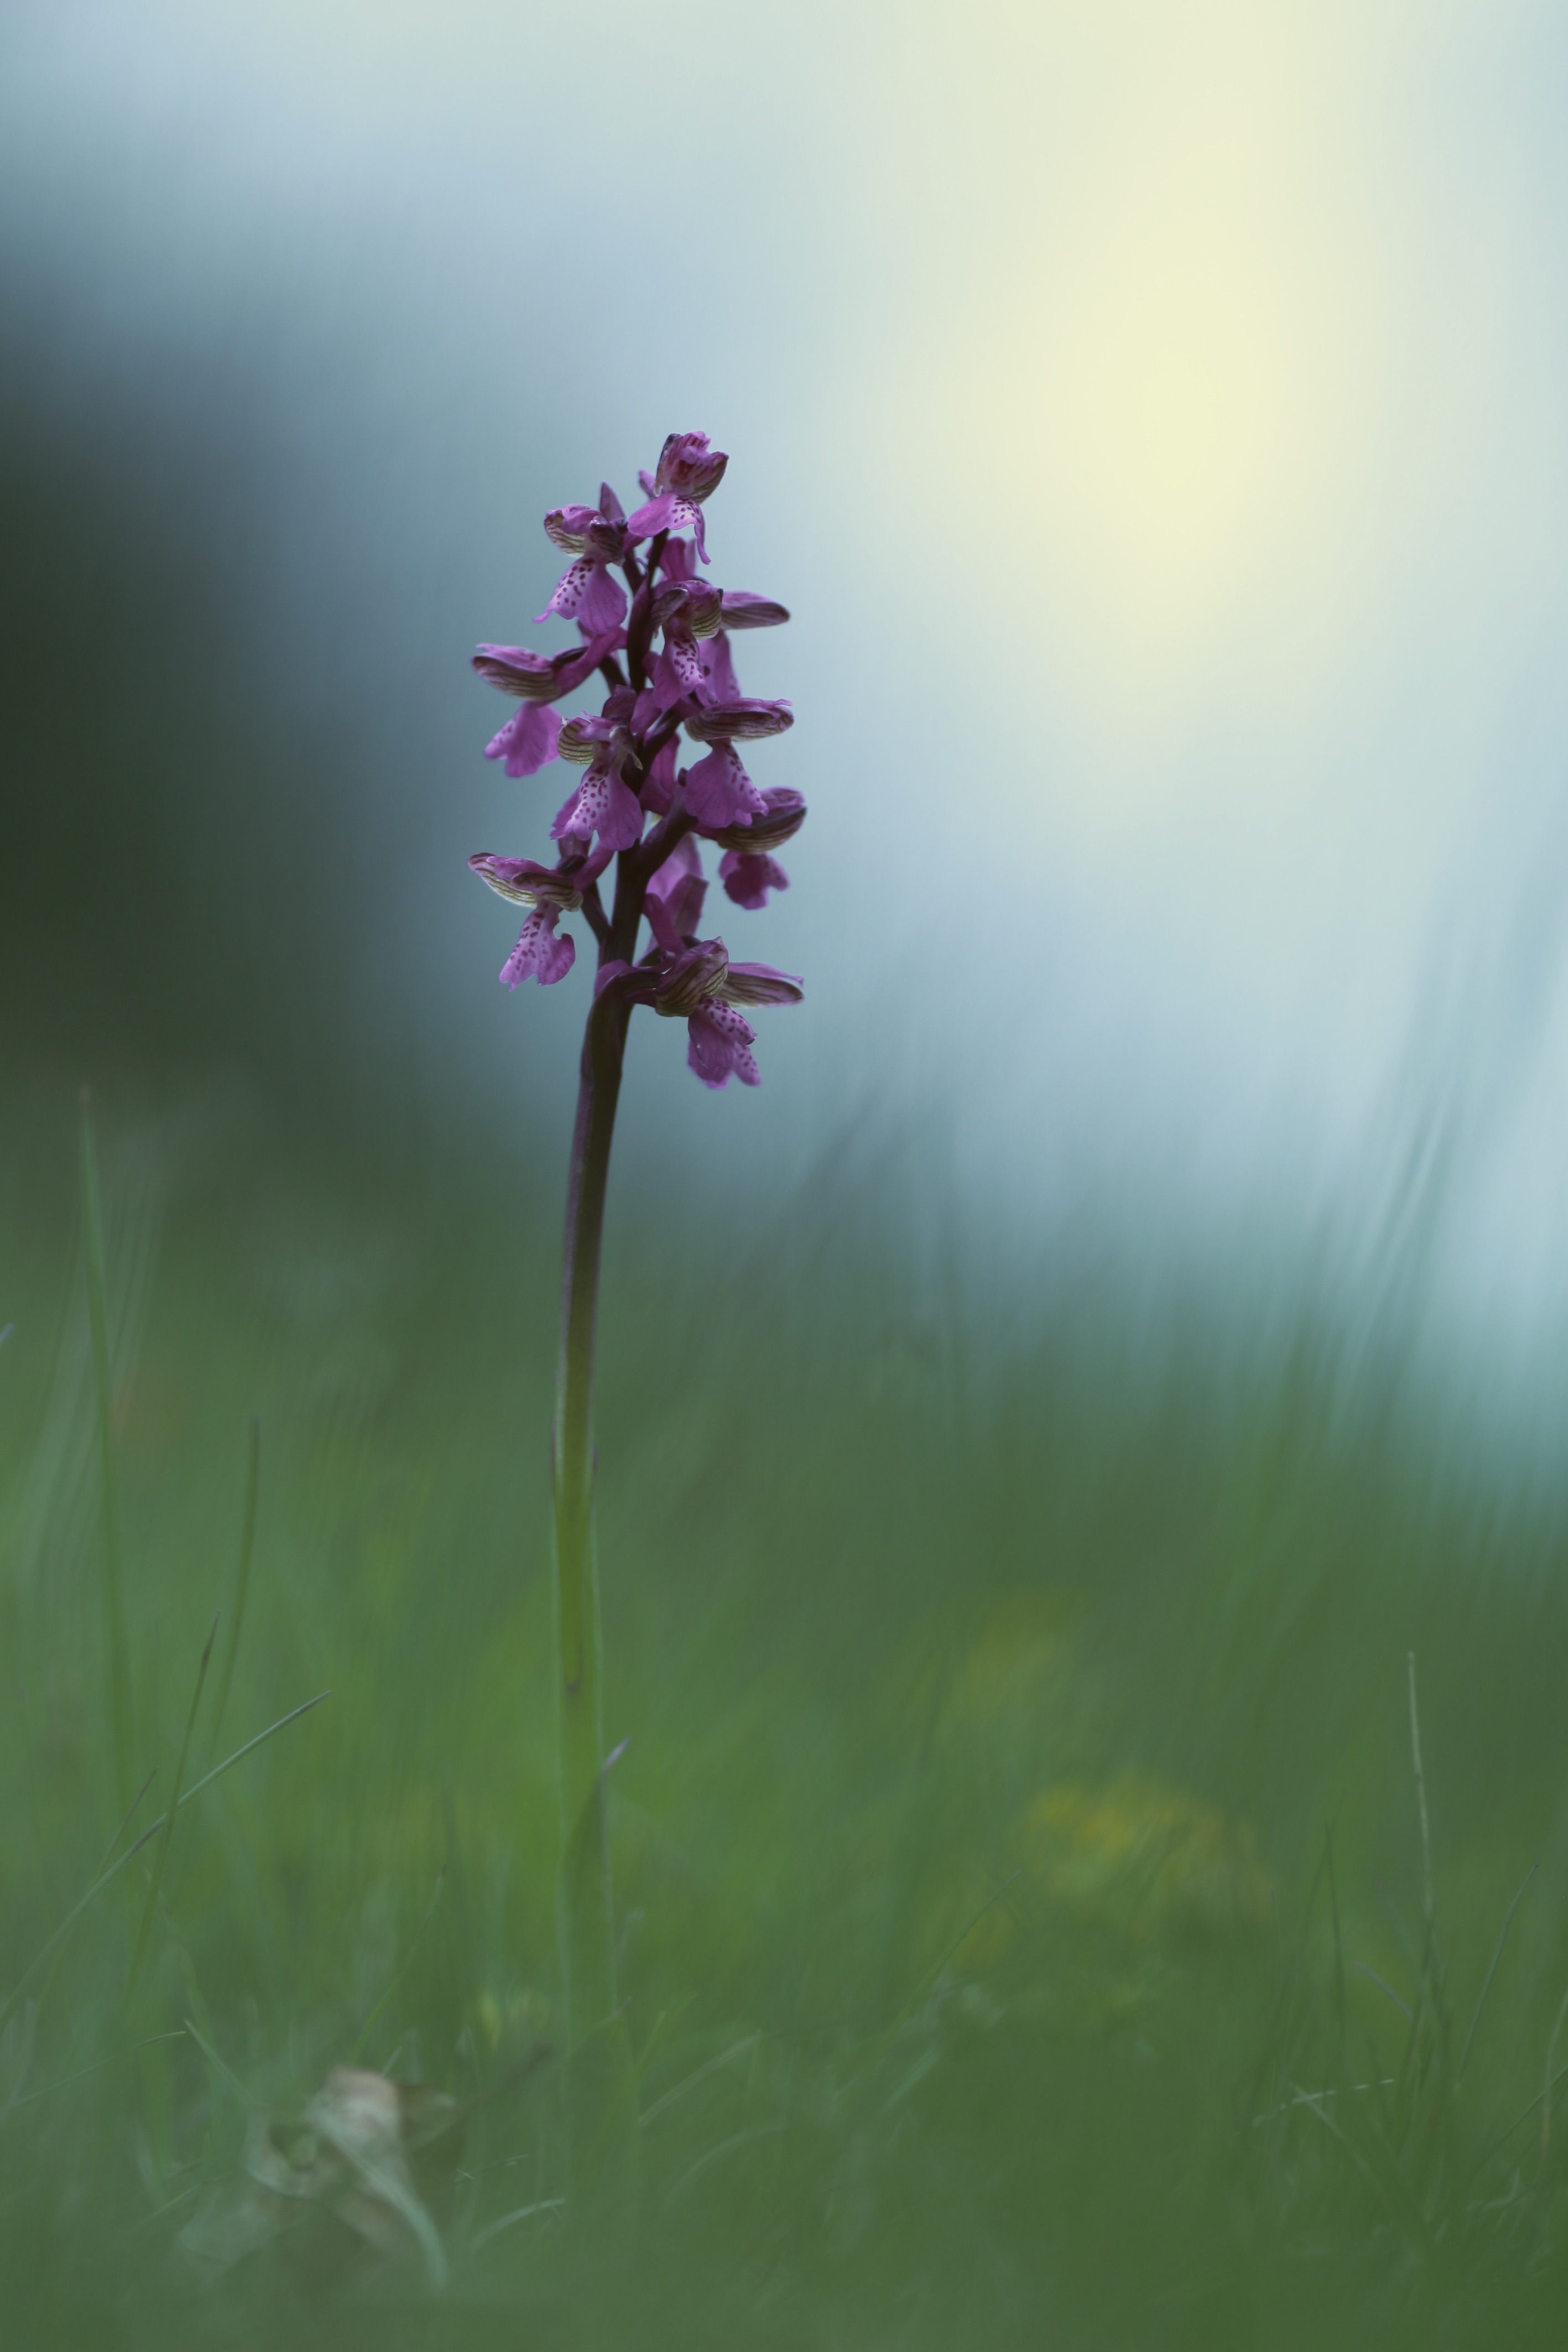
1017,1846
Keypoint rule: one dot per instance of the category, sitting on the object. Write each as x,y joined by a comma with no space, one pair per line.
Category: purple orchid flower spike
660,635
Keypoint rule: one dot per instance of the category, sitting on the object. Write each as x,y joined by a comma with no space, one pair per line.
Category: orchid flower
538,954
596,538
528,742
660,633
687,473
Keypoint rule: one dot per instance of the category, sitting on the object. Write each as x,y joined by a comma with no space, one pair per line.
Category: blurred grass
1017,1794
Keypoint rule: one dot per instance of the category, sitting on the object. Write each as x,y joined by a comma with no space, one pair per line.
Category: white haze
1155,417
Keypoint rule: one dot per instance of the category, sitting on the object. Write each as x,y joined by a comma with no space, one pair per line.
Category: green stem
119,1708
242,1587
587,1914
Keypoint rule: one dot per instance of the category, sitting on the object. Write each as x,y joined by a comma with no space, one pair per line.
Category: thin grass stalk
120,1691
106,1878
1546,2089
1420,1795
242,1587
160,1858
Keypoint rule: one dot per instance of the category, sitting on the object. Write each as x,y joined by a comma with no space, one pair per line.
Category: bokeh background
1129,1317
1151,414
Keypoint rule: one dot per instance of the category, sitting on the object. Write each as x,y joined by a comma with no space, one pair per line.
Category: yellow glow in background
1156,411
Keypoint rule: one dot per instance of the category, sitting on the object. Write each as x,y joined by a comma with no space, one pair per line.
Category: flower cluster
658,633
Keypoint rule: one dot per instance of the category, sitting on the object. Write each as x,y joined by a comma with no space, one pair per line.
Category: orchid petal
604,603
674,896
747,721
758,984
722,683
527,883
659,780
568,527
688,466
540,677
742,610
646,521
782,815
527,741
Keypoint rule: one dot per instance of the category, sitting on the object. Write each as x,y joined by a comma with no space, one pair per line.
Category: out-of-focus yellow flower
1144,1856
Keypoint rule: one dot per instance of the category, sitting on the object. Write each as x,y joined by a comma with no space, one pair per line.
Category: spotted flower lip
719,794
749,875
603,805
718,1046
540,954
746,721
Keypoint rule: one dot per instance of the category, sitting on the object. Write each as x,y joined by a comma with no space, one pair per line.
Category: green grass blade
161,1859
47,2090
129,1816
242,1585
105,1878
402,1970
219,2067
1491,1971
240,1753
119,1694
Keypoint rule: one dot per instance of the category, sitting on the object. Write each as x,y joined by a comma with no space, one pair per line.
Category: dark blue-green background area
1017,1845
